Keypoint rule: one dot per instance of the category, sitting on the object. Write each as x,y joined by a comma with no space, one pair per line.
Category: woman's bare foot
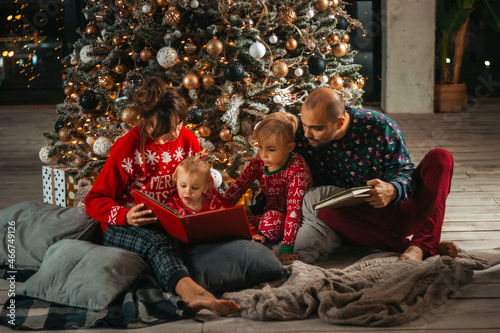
412,253
447,248
198,298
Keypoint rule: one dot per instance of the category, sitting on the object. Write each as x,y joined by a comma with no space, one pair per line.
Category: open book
229,223
349,197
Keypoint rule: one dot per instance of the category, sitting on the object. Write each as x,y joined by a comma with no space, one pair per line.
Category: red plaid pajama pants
388,228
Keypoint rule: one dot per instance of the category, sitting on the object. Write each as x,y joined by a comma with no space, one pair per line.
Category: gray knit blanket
376,291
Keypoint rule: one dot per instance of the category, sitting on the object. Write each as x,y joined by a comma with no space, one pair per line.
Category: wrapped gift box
59,187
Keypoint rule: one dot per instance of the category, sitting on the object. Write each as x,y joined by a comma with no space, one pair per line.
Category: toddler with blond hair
283,177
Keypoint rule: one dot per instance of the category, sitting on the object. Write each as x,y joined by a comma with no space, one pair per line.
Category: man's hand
287,258
137,217
381,194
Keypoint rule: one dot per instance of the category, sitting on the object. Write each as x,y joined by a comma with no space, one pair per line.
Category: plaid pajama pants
159,249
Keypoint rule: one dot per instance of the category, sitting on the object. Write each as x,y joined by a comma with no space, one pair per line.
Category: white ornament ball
277,99
103,33
90,140
273,39
310,13
167,57
44,155
194,4
146,8
298,72
86,53
217,177
257,50
324,78
102,146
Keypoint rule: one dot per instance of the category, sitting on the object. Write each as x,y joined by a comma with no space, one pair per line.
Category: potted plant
453,16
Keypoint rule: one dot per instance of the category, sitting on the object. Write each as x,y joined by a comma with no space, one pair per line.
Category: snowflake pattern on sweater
126,169
284,190
373,147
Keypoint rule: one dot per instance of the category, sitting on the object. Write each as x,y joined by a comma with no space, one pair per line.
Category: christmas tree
236,61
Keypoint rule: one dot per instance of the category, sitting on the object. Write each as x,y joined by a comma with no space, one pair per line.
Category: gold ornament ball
225,134
129,116
321,5
291,44
335,3
120,69
145,54
346,38
118,40
64,134
105,81
246,23
221,102
92,29
68,90
361,83
190,81
101,16
208,80
280,69
333,39
190,48
352,85
336,82
325,48
172,17
162,3
288,16
340,50
79,162
204,131
214,46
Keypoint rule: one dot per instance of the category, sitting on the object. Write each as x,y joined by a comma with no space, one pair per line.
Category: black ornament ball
89,100
342,23
234,71
195,116
59,124
201,22
317,65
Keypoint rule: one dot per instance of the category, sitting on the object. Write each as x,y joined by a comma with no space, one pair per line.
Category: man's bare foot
198,298
447,248
412,253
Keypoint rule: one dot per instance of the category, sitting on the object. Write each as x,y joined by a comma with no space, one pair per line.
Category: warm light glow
448,60
5,53
9,17
11,53
487,64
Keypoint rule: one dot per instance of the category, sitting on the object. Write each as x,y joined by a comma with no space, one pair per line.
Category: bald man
346,147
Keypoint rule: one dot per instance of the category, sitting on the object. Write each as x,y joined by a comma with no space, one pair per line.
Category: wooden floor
472,215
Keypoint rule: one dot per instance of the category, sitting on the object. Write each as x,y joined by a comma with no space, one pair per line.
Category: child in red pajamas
283,177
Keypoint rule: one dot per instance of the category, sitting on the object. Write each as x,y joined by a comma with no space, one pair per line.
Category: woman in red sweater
145,159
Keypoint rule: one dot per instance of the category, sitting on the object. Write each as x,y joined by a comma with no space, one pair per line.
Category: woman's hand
259,239
137,217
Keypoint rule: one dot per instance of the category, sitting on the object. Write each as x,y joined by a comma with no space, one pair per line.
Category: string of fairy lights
25,37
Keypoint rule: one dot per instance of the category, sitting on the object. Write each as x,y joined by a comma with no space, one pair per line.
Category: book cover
350,197
228,223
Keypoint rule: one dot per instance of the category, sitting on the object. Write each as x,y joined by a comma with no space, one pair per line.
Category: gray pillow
232,265
37,226
79,273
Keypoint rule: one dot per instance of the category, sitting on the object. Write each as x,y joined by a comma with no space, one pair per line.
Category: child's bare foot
447,248
412,253
198,298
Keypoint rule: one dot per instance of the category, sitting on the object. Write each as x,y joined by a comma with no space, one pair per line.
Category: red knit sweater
284,190
111,196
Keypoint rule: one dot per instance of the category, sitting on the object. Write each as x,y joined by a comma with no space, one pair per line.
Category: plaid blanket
143,304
